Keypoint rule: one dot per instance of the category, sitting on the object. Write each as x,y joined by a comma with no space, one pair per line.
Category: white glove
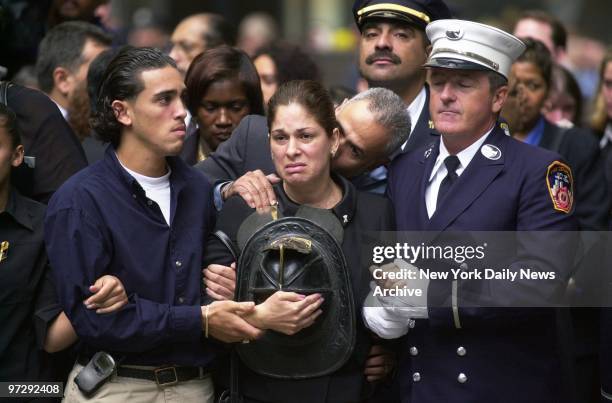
416,281
388,316
381,320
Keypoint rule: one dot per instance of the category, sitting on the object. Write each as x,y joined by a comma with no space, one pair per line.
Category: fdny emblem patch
560,186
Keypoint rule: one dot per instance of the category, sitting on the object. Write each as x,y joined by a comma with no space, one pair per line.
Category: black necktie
452,163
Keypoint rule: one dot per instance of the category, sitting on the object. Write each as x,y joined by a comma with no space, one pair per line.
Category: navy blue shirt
101,222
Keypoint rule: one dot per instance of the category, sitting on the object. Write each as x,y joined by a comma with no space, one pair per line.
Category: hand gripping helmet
299,254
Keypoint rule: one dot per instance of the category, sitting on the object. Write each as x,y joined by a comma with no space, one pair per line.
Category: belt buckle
159,371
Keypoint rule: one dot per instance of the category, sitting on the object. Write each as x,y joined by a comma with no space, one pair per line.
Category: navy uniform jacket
581,150
504,355
422,134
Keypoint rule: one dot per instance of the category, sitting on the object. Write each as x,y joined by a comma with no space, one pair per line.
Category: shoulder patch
560,183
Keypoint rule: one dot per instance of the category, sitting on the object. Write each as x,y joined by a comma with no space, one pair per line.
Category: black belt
163,376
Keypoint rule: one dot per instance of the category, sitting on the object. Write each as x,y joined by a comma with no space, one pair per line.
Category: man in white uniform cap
461,347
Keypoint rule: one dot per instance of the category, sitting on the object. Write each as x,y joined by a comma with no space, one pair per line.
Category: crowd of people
136,182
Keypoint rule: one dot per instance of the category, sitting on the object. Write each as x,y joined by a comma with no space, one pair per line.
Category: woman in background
601,120
532,72
222,88
564,103
282,62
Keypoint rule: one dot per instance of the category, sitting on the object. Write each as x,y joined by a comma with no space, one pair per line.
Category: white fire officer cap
467,45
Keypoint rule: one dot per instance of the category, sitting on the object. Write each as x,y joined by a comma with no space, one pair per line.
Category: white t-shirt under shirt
156,189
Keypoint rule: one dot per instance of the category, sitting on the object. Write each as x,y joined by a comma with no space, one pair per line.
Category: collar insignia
4,250
491,152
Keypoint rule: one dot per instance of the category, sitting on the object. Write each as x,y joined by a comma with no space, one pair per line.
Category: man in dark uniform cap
392,51
460,347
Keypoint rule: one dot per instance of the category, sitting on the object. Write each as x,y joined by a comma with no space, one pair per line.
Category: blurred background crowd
324,29
61,47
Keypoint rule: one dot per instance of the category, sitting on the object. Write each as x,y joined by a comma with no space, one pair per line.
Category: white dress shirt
63,110
438,173
414,110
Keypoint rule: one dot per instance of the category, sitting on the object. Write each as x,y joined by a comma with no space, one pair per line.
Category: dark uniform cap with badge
467,45
416,12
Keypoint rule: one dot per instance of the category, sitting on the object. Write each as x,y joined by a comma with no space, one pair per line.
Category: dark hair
85,11
559,33
122,81
291,62
8,120
219,32
62,46
563,82
223,63
96,73
312,95
538,54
